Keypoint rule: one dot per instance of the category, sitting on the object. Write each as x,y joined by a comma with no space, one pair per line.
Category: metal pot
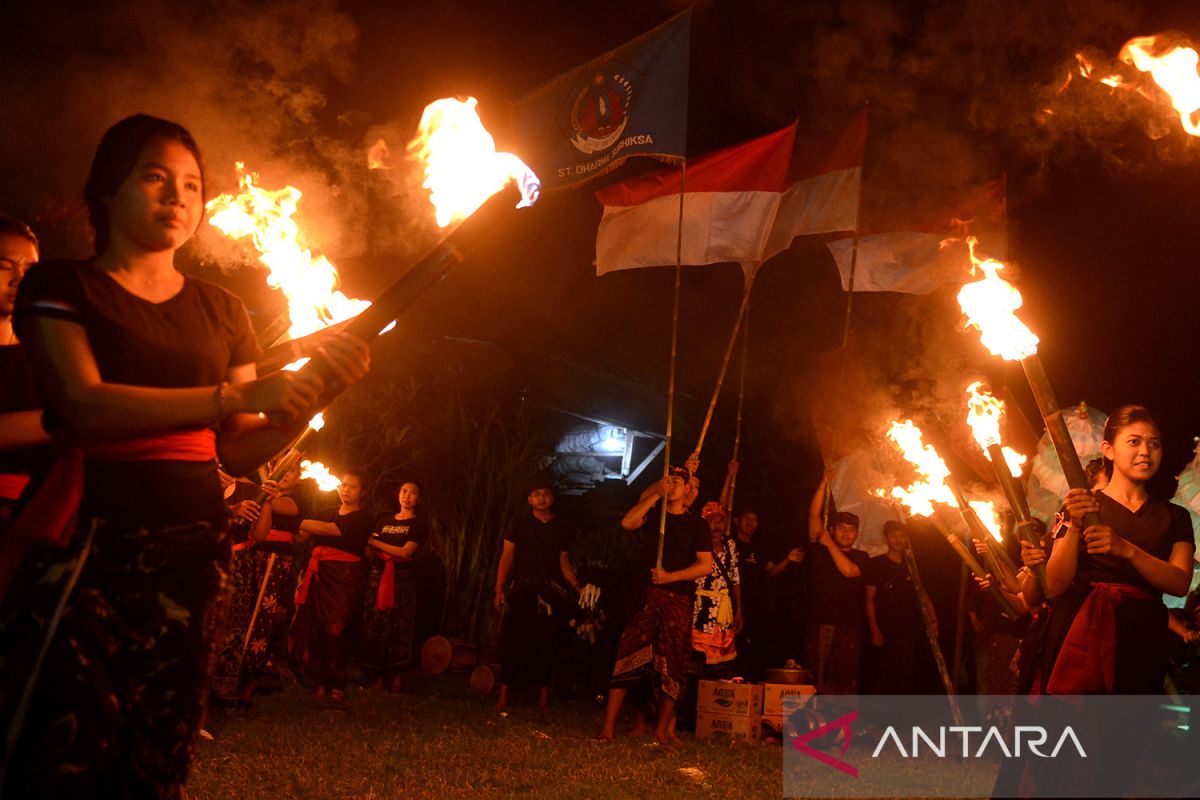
790,673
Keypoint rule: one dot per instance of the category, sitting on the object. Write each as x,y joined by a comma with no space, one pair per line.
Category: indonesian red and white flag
920,258
743,204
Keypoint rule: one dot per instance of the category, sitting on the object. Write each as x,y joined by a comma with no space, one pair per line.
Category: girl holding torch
1107,632
148,375
331,589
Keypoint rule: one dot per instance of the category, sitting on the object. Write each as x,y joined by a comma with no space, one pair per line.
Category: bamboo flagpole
662,518
737,431
750,270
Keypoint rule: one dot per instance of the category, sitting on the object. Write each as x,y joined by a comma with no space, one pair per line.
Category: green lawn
440,739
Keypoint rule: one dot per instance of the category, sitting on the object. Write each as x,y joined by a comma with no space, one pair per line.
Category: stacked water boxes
740,710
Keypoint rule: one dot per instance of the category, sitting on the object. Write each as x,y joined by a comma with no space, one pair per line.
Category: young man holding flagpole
656,642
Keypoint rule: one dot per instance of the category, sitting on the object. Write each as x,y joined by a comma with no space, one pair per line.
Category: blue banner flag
629,102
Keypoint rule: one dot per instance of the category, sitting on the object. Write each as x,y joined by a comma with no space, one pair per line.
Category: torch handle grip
1056,426
1012,490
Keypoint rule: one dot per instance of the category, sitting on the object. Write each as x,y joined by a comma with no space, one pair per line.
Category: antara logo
1031,736
1026,738
801,743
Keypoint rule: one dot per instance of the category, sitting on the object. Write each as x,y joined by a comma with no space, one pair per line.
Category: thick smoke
957,94
251,81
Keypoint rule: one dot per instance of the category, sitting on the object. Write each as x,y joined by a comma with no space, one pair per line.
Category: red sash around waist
385,598
1087,661
243,546
319,554
11,485
48,517
275,535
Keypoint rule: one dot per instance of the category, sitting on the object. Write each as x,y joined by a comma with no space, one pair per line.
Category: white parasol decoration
1047,484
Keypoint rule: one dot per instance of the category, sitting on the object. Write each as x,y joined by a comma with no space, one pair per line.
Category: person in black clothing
535,559
330,593
274,533
894,615
148,376
833,572
22,439
754,637
657,640
386,638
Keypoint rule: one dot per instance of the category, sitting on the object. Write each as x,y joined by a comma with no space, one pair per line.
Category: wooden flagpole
737,431
662,518
733,335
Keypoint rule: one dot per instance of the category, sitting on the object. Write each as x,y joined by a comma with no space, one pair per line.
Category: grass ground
440,739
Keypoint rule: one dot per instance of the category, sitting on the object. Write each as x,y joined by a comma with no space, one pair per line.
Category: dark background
1101,214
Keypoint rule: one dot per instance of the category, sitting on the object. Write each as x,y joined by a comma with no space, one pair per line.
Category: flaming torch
326,480
931,487
989,305
983,417
470,184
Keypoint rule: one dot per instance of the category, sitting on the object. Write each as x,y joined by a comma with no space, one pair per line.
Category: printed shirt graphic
631,101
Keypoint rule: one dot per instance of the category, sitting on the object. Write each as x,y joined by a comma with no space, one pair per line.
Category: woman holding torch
327,602
148,375
1107,632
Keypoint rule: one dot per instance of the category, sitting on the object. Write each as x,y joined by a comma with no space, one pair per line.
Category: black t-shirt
538,545
399,532
833,598
288,523
752,563
897,608
1155,528
18,392
189,340
356,528
686,535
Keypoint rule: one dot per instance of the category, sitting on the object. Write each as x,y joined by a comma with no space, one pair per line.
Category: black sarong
386,639
320,640
121,693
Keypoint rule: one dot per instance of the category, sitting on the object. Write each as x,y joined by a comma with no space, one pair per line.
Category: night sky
1102,222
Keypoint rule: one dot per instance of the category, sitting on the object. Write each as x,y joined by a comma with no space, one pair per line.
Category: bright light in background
613,441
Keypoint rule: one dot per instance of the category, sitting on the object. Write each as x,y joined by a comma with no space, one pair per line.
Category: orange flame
983,417
377,155
317,422
989,305
462,167
986,511
309,282
930,486
1174,70
326,480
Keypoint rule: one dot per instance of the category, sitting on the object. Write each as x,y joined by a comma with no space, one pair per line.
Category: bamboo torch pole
1019,505
1056,426
973,564
930,624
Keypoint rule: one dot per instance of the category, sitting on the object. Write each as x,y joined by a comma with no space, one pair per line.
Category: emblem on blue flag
629,102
